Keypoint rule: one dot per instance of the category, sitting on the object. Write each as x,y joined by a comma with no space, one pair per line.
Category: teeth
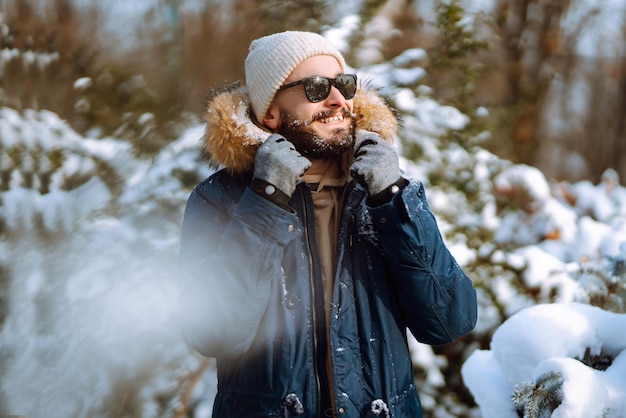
333,119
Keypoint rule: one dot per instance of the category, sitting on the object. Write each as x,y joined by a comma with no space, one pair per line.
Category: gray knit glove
376,162
278,164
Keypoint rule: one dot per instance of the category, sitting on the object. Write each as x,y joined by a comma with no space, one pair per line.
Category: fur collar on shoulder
231,138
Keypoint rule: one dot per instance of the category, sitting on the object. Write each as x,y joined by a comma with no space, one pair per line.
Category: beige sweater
327,192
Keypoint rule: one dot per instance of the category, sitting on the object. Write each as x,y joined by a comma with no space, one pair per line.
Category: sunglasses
318,88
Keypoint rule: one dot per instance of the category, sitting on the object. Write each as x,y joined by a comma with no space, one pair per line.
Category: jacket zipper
319,327
319,323
344,203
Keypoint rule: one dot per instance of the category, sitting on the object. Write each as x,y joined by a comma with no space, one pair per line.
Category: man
307,256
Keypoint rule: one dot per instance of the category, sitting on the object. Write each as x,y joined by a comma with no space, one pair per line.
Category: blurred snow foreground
87,269
89,245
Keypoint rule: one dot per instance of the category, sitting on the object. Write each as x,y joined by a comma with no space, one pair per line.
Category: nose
335,98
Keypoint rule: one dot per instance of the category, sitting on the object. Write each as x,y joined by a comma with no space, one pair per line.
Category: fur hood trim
231,138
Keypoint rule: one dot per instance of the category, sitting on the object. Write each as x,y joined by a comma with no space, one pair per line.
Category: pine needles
539,399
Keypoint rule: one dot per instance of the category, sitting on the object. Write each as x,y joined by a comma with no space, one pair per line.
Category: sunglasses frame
331,82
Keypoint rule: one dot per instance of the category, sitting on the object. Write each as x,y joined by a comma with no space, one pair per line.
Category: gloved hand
278,163
376,162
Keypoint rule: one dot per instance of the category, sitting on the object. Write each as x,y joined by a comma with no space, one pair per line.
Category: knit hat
272,58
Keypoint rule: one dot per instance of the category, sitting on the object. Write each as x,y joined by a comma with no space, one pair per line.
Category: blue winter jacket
251,294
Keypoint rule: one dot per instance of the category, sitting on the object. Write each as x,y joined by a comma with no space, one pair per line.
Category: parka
251,292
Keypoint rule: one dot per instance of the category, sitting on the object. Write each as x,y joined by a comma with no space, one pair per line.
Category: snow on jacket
251,292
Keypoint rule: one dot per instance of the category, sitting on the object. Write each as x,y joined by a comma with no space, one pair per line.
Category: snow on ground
553,337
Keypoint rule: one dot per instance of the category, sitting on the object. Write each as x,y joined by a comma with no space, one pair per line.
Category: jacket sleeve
436,297
229,253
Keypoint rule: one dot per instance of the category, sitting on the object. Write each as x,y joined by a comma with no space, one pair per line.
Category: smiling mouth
332,119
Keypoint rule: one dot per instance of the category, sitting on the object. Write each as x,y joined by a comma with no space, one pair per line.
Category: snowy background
89,235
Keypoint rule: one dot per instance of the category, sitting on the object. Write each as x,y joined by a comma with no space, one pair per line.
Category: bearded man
309,253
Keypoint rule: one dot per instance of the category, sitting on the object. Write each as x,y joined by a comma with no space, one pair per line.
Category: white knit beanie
272,58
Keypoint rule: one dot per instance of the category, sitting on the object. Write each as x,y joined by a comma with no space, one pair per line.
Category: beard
307,140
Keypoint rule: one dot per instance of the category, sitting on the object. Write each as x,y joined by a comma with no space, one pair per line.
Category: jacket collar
231,138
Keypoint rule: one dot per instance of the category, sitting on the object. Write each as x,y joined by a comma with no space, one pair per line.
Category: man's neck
319,166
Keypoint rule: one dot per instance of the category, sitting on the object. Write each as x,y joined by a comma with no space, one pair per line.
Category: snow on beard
306,139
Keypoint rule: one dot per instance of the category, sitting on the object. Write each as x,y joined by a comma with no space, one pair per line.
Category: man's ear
272,118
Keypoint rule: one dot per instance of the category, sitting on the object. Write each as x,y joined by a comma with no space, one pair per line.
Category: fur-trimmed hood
231,138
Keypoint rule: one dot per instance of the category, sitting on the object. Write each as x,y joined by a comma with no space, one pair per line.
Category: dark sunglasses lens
317,89
346,84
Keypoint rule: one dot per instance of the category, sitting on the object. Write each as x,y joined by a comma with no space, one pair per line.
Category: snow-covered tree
89,219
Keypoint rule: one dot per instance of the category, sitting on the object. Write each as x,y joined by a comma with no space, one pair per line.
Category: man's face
317,130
